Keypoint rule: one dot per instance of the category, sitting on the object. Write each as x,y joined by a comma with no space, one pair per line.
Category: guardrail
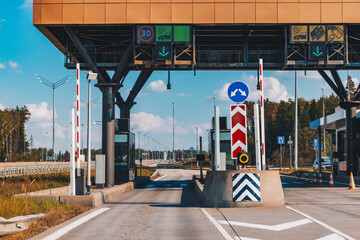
36,169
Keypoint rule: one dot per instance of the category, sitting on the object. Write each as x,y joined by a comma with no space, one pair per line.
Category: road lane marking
217,225
71,226
160,178
333,236
150,186
298,182
278,227
183,185
322,224
284,183
245,238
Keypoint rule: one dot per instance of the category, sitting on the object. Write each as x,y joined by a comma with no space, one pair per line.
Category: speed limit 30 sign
145,34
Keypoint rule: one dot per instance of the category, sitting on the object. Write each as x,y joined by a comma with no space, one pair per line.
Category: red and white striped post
238,129
262,114
78,118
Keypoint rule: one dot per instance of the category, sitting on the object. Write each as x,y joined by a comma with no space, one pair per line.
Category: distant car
325,164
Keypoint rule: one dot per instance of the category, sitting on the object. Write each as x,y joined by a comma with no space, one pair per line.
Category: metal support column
319,149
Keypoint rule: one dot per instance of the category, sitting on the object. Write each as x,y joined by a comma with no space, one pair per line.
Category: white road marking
278,227
150,186
183,185
284,183
333,236
217,225
245,238
160,178
71,226
322,224
325,181
298,182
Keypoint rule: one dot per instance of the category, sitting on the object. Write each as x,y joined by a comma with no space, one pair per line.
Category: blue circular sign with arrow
238,91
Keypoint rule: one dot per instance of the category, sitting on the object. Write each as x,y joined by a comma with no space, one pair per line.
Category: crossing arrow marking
163,53
277,228
233,93
317,53
243,93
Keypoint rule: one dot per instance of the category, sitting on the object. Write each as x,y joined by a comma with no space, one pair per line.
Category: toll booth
125,168
336,123
225,142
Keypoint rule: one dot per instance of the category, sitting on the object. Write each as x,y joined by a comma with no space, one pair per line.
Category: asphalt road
168,209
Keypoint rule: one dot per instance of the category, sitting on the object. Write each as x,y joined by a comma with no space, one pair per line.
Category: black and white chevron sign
246,187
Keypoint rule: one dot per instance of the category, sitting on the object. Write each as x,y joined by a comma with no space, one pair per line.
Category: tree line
12,133
279,121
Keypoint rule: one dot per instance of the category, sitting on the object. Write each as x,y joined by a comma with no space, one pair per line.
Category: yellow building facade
60,12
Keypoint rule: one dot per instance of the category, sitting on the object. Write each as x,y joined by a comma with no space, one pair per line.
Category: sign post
290,142
262,115
238,92
281,141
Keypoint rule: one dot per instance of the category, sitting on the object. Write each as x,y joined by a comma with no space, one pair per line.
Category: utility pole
53,86
324,119
296,124
173,133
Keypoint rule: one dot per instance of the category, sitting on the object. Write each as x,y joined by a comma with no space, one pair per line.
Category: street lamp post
53,86
322,89
90,76
173,133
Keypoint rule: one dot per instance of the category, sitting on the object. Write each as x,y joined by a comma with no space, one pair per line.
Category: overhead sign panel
145,34
317,33
163,33
182,33
299,33
163,51
317,51
335,33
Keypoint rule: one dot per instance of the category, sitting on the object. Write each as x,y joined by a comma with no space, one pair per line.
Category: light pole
46,146
322,89
296,124
173,133
53,86
90,76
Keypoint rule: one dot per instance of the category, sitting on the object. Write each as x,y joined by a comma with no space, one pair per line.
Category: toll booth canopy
125,168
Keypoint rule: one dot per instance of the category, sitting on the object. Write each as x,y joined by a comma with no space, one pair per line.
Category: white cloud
27,4
311,75
13,65
40,112
221,94
2,66
2,107
273,89
149,123
183,95
157,86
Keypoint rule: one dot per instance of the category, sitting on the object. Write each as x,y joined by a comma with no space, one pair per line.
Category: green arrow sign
163,51
318,52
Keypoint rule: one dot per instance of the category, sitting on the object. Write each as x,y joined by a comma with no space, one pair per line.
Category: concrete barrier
217,190
95,199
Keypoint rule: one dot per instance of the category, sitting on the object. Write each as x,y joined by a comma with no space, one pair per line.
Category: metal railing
36,169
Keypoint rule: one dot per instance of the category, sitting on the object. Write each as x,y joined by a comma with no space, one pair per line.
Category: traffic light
243,158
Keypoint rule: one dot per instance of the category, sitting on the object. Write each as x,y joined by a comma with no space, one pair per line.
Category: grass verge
56,212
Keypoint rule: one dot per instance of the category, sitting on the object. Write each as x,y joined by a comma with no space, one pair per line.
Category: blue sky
25,52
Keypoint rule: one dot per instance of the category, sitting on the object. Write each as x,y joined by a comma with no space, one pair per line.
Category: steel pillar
349,105
319,149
